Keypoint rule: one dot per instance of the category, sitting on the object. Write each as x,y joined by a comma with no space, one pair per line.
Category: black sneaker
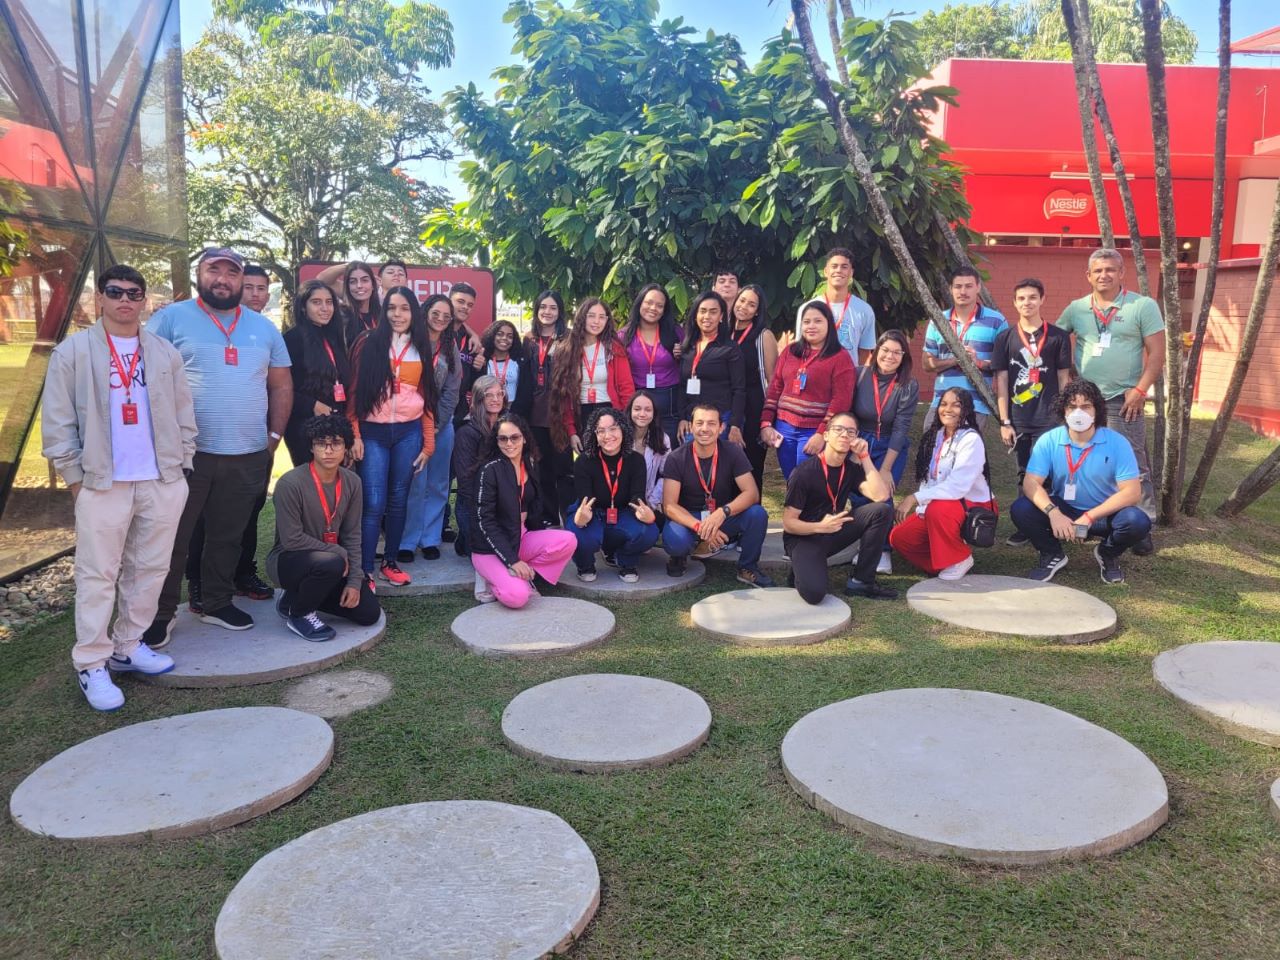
610,560
754,578
254,587
195,597
869,591
404,556
1018,539
1050,564
158,634
676,566
430,553
1144,547
311,627
229,617
1109,566
448,535
281,608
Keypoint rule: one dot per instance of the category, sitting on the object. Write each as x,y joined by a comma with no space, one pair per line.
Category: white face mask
1079,420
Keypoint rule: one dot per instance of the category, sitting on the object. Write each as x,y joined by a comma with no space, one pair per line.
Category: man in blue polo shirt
238,368
1082,482
977,327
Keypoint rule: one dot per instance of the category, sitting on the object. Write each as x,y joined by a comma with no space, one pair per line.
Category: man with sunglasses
119,426
817,522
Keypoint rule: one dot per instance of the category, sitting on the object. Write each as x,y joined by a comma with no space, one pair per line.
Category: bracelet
1086,516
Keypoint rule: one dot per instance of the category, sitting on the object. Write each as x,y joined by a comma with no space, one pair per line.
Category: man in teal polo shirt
1120,347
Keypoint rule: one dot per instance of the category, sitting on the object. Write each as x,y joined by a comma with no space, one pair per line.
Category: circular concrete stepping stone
210,656
450,574
772,558
1275,799
1015,605
653,581
773,617
600,722
1234,684
456,879
978,775
545,627
175,777
338,694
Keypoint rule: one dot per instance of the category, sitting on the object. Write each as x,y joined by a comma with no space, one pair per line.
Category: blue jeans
749,527
791,454
664,407
389,452
428,494
1118,532
627,539
879,450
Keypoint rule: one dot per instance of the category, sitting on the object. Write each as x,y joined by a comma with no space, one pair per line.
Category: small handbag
979,527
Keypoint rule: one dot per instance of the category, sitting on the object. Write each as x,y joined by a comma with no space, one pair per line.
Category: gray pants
1136,433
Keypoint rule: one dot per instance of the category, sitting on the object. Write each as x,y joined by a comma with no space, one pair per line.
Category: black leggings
555,471
870,525
314,579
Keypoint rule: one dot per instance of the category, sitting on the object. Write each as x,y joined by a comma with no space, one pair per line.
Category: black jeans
870,525
314,579
555,471
248,562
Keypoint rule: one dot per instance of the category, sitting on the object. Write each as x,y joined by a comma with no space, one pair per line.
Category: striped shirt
980,334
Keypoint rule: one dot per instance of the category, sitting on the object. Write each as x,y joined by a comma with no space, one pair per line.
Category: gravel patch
41,593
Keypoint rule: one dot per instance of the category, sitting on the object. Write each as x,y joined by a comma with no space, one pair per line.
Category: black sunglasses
116,293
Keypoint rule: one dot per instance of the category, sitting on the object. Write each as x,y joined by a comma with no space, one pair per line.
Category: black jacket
469,445
498,510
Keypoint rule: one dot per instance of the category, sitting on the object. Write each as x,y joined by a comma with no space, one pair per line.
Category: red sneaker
391,573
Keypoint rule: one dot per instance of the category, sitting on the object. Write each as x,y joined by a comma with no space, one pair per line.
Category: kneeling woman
611,511
510,547
953,462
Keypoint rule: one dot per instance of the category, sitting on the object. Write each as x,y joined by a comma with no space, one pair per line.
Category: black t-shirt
1054,344
588,479
680,467
807,488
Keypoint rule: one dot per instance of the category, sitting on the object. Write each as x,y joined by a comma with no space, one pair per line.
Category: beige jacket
75,421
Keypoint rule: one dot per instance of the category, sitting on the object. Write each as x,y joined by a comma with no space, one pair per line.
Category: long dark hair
450,348
830,346
372,358
566,368
530,453
668,332
904,368
654,438
591,446
320,375
692,333
761,318
517,346
968,419
562,323
355,324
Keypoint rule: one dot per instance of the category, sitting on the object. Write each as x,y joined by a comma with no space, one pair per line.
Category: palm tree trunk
846,9
879,207
1252,327
1087,137
1262,479
1215,234
1153,50
833,27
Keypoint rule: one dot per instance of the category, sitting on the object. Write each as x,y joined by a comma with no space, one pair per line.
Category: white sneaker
100,690
956,570
885,564
141,660
482,592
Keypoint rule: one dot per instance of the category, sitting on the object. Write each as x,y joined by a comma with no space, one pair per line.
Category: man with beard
238,367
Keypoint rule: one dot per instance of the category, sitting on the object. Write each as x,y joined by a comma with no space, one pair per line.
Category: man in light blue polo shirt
977,327
1082,482
855,320
238,368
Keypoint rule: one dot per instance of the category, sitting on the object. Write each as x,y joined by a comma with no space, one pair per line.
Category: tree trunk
1215,233
1252,327
846,8
879,208
1087,137
1153,50
833,27
1262,479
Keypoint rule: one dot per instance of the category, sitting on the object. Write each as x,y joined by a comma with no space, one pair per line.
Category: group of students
582,438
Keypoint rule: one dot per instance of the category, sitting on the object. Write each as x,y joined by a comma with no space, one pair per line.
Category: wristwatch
1050,508
1006,423
727,512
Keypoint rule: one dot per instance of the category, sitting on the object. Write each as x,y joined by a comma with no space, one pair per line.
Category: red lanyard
1034,351
329,350
1104,319
218,323
126,377
1073,466
746,333
544,344
435,354
521,477
591,370
715,465
881,401
848,302
833,494
697,358
500,374
397,360
809,358
329,515
612,483
651,356
968,323
937,454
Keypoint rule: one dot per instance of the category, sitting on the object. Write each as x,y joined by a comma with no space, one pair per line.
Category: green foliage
302,119
622,151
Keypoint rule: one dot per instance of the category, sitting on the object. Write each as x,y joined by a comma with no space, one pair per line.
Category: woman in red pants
953,462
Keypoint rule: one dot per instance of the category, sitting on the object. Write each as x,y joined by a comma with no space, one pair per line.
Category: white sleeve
967,468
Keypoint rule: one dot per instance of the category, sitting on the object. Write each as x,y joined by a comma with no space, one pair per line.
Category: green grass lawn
715,856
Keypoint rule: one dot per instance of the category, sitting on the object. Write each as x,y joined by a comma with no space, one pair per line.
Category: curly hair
1080,387
968,419
566,367
329,425
591,446
491,333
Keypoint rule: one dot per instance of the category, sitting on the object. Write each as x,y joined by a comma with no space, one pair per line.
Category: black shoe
448,535
311,627
676,566
754,578
610,560
158,634
254,587
1144,547
195,599
430,553
1050,564
229,617
461,549
1109,566
281,608
404,556
869,591
1018,539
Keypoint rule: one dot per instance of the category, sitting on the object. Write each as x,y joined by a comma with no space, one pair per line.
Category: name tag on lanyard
129,414
693,386
231,356
650,381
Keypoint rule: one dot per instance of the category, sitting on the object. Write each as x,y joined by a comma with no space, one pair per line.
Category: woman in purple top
650,336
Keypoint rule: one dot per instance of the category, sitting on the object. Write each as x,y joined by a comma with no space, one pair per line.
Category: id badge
704,515
542,379
395,385
1097,350
711,507
330,536
650,381
1104,340
591,394
611,515
1068,491
1033,375
231,356
801,380
339,393
129,413
693,386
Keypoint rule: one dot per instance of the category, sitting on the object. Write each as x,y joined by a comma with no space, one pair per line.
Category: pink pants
933,541
547,551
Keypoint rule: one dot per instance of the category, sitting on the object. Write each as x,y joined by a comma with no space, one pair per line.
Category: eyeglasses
843,431
890,352
118,293
328,445
602,431
510,437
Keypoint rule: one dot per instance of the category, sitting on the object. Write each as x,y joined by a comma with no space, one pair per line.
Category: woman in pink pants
510,545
